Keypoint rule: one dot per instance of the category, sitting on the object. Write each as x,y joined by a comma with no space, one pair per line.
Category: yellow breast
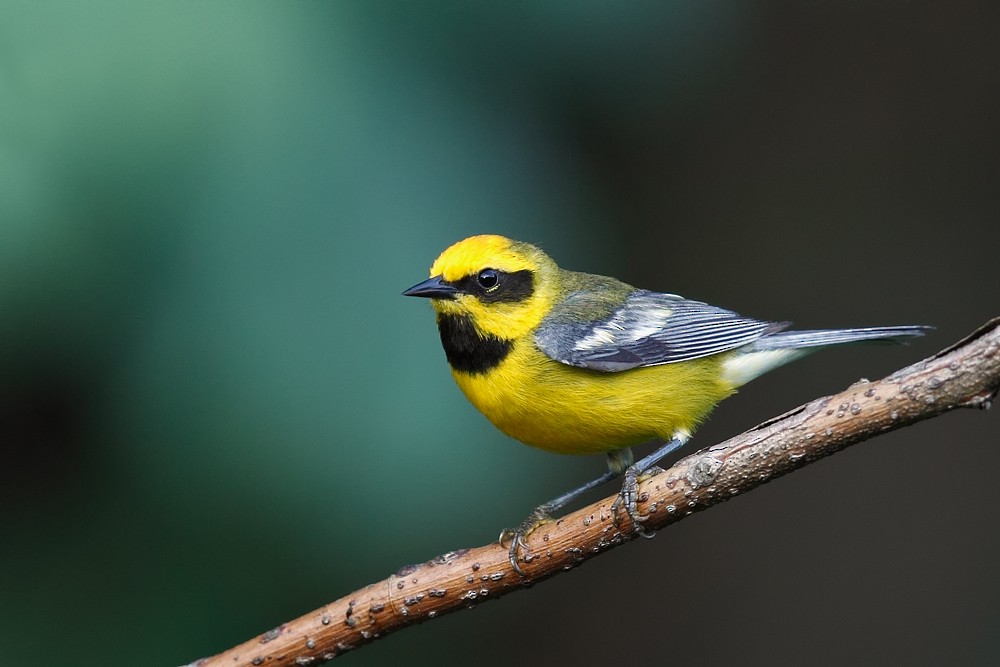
569,410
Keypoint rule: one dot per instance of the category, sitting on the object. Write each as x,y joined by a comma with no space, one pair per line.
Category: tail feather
788,340
779,348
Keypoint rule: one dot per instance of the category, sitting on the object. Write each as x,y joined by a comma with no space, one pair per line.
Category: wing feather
649,329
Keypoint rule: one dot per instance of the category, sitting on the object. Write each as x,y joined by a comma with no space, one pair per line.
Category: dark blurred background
218,413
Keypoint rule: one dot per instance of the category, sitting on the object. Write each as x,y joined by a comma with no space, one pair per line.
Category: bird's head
504,287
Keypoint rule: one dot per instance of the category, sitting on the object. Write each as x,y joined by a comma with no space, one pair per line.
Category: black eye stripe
509,287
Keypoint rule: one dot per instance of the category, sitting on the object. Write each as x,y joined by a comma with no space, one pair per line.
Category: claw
517,536
628,498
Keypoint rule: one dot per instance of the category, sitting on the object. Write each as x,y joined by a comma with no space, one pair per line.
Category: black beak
433,288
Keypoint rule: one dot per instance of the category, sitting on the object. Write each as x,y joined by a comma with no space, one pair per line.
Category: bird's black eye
488,279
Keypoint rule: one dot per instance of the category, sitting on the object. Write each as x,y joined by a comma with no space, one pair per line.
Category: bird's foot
628,497
539,516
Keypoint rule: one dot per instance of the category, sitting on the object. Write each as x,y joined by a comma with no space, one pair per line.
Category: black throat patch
467,349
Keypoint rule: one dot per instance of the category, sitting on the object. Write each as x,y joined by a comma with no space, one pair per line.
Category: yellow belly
570,410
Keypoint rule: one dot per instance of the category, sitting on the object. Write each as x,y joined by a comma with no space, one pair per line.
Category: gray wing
648,329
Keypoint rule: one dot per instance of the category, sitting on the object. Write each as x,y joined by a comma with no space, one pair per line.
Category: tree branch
966,374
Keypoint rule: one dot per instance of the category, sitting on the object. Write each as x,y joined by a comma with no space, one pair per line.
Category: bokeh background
218,413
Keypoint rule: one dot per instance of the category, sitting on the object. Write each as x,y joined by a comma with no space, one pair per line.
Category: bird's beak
433,288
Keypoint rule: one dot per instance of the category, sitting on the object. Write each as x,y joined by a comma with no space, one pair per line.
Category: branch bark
965,375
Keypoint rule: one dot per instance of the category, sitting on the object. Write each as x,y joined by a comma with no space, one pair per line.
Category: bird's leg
636,473
617,462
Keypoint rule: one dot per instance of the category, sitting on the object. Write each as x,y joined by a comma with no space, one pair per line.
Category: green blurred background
218,413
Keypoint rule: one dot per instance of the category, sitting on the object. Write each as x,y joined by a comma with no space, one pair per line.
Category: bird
578,363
